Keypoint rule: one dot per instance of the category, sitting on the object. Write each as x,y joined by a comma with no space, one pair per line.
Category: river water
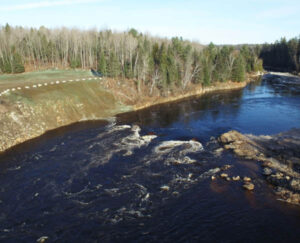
146,176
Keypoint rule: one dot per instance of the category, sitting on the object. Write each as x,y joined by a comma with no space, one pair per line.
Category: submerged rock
226,167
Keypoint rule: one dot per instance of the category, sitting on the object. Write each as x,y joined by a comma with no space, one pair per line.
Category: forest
282,55
162,63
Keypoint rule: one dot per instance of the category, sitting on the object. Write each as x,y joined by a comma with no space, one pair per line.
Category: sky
217,21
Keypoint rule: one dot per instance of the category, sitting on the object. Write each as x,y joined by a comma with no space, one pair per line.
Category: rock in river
224,175
248,186
236,178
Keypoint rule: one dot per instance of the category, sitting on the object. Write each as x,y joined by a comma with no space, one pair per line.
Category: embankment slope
29,113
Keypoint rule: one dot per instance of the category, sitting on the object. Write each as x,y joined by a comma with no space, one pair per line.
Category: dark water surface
146,175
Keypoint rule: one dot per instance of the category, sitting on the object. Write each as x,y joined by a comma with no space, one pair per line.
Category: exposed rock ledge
279,156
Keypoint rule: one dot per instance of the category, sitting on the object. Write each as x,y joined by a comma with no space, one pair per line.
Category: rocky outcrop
279,156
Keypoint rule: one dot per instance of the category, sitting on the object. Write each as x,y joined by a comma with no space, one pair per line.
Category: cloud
45,4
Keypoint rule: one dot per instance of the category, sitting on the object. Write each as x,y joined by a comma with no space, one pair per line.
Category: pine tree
128,70
172,73
163,67
102,64
5,66
238,72
206,77
17,64
75,63
113,67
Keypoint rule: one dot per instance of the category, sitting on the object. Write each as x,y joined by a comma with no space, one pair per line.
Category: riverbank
30,112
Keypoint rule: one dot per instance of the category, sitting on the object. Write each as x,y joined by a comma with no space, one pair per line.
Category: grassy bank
14,80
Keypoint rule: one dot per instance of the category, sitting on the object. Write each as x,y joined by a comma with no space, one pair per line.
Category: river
146,175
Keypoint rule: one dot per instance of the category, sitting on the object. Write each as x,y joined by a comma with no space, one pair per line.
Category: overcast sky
219,21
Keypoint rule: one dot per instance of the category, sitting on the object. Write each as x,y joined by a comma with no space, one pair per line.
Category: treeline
282,55
155,62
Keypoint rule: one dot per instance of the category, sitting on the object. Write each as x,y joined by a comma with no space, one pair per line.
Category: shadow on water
111,182
165,115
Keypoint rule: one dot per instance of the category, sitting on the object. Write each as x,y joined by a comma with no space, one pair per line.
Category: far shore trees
282,55
163,64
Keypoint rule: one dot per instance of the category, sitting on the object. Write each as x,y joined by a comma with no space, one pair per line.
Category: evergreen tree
206,76
102,64
128,70
133,32
75,63
17,64
238,72
172,72
163,67
113,67
5,66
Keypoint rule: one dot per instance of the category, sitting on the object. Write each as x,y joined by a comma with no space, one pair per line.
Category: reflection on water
146,176
184,111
